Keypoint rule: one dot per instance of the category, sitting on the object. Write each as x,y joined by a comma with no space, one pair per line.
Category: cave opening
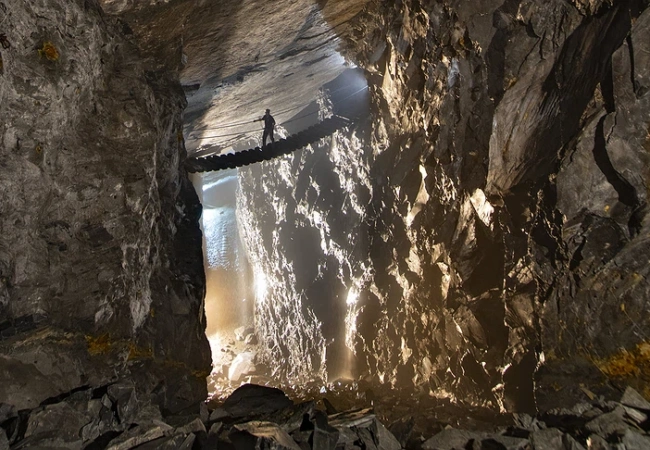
236,286
302,79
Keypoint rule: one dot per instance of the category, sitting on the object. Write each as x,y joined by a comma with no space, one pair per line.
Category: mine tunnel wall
490,215
100,250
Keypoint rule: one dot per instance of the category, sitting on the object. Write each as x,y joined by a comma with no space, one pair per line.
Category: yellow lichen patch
49,51
627,363
510,82
99,345
136,352
39,149
644,351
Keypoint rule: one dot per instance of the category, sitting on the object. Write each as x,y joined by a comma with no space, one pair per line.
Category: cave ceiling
236,58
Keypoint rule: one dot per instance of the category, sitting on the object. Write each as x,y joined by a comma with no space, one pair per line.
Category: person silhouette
269,126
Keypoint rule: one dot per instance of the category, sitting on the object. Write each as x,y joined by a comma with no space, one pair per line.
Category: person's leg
266,133
271,134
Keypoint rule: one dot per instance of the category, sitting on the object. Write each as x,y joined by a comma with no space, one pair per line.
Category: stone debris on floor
259,417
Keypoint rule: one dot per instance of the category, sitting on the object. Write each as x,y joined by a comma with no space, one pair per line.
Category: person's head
268,111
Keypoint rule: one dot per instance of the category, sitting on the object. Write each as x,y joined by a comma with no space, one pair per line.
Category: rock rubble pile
258,417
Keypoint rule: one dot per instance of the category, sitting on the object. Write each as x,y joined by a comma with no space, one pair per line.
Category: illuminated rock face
486,216
485,227
100,250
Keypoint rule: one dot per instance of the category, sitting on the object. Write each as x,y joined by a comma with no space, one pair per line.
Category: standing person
269,126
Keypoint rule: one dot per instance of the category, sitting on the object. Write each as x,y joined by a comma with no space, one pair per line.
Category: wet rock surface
91,419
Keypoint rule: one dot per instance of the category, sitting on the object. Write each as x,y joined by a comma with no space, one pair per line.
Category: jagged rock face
488,220
100,249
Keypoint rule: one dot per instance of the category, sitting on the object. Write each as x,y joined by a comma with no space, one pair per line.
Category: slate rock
203,412
4,442
218,414
124,396
59,419
139,435
329,408
595,442
243,364
571,444
635,400
215,429
385,439
195,426
165,443
347,437
402,429
302,438
635,441
367,439
324,436
6,412
356,418
292,417
22,385
259,434
188,443
451,438
47,441
147,413
548,439
252,399
635,415
102,420
608,424
506,442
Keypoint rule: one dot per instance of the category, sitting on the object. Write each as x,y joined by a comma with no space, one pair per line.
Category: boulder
609,424
242,364
633,399
251,399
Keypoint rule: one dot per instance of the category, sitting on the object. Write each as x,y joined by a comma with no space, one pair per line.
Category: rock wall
100,250
483,236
